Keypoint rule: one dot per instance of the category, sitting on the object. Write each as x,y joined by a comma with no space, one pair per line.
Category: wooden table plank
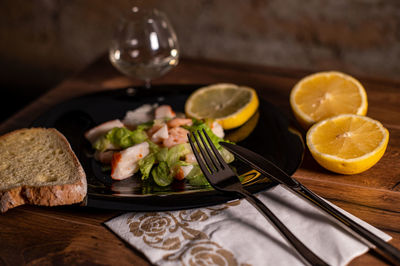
37,239
70,232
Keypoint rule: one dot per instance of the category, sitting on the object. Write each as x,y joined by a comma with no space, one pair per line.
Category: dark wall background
44,41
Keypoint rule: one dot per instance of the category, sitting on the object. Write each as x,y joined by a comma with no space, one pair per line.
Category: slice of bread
38,166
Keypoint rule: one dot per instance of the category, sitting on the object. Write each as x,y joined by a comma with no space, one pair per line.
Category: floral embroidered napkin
236,234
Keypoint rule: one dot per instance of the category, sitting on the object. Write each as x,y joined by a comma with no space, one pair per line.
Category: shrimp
177,122
177,135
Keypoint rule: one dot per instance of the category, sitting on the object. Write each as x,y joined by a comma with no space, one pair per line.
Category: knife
269,169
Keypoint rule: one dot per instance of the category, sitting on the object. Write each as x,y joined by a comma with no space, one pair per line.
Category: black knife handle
305,252
390,251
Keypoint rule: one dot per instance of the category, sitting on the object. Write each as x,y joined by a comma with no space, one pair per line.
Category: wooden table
74,235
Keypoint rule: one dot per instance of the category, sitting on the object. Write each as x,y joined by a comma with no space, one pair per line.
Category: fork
222,178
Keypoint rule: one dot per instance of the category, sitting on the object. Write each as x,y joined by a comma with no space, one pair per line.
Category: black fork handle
305,252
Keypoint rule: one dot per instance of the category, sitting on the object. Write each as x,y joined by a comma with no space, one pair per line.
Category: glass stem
147,83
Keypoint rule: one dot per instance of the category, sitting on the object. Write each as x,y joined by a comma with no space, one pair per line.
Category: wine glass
145,45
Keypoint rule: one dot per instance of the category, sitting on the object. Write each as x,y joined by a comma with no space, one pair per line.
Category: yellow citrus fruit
229,104
347,144
243,131
326,94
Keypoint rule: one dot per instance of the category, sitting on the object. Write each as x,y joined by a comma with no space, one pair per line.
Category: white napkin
235,233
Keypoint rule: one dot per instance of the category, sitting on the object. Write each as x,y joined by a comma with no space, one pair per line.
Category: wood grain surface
76,235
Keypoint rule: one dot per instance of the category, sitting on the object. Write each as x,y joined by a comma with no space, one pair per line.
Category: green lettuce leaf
162,154
154,148
102,144
124,138
146,164
138,136
161,175
176,152
200,125
226,155
196,177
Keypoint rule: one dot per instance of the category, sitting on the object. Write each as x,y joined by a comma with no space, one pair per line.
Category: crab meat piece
164,111
140,115
160,135
125,163
177,122
217,129
154,129
177,135
183,171
104,156
93,134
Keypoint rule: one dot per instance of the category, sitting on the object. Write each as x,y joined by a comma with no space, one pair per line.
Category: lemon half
229,104
347,144
326,94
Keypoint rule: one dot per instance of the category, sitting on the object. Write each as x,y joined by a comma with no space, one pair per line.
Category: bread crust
47,195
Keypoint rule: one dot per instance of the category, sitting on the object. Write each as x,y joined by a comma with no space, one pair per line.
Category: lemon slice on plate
347,144
229,104
326,94
242,132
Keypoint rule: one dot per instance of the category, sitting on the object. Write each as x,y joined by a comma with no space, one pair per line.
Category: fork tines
210,158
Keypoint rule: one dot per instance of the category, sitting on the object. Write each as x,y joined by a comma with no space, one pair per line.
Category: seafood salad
153,140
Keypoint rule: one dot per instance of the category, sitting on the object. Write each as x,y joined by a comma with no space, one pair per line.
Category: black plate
272,137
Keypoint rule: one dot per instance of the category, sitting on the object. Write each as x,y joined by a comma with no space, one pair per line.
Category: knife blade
272,171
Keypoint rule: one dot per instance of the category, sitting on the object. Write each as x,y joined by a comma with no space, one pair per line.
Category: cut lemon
326,94
243,131
347,144
229,104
